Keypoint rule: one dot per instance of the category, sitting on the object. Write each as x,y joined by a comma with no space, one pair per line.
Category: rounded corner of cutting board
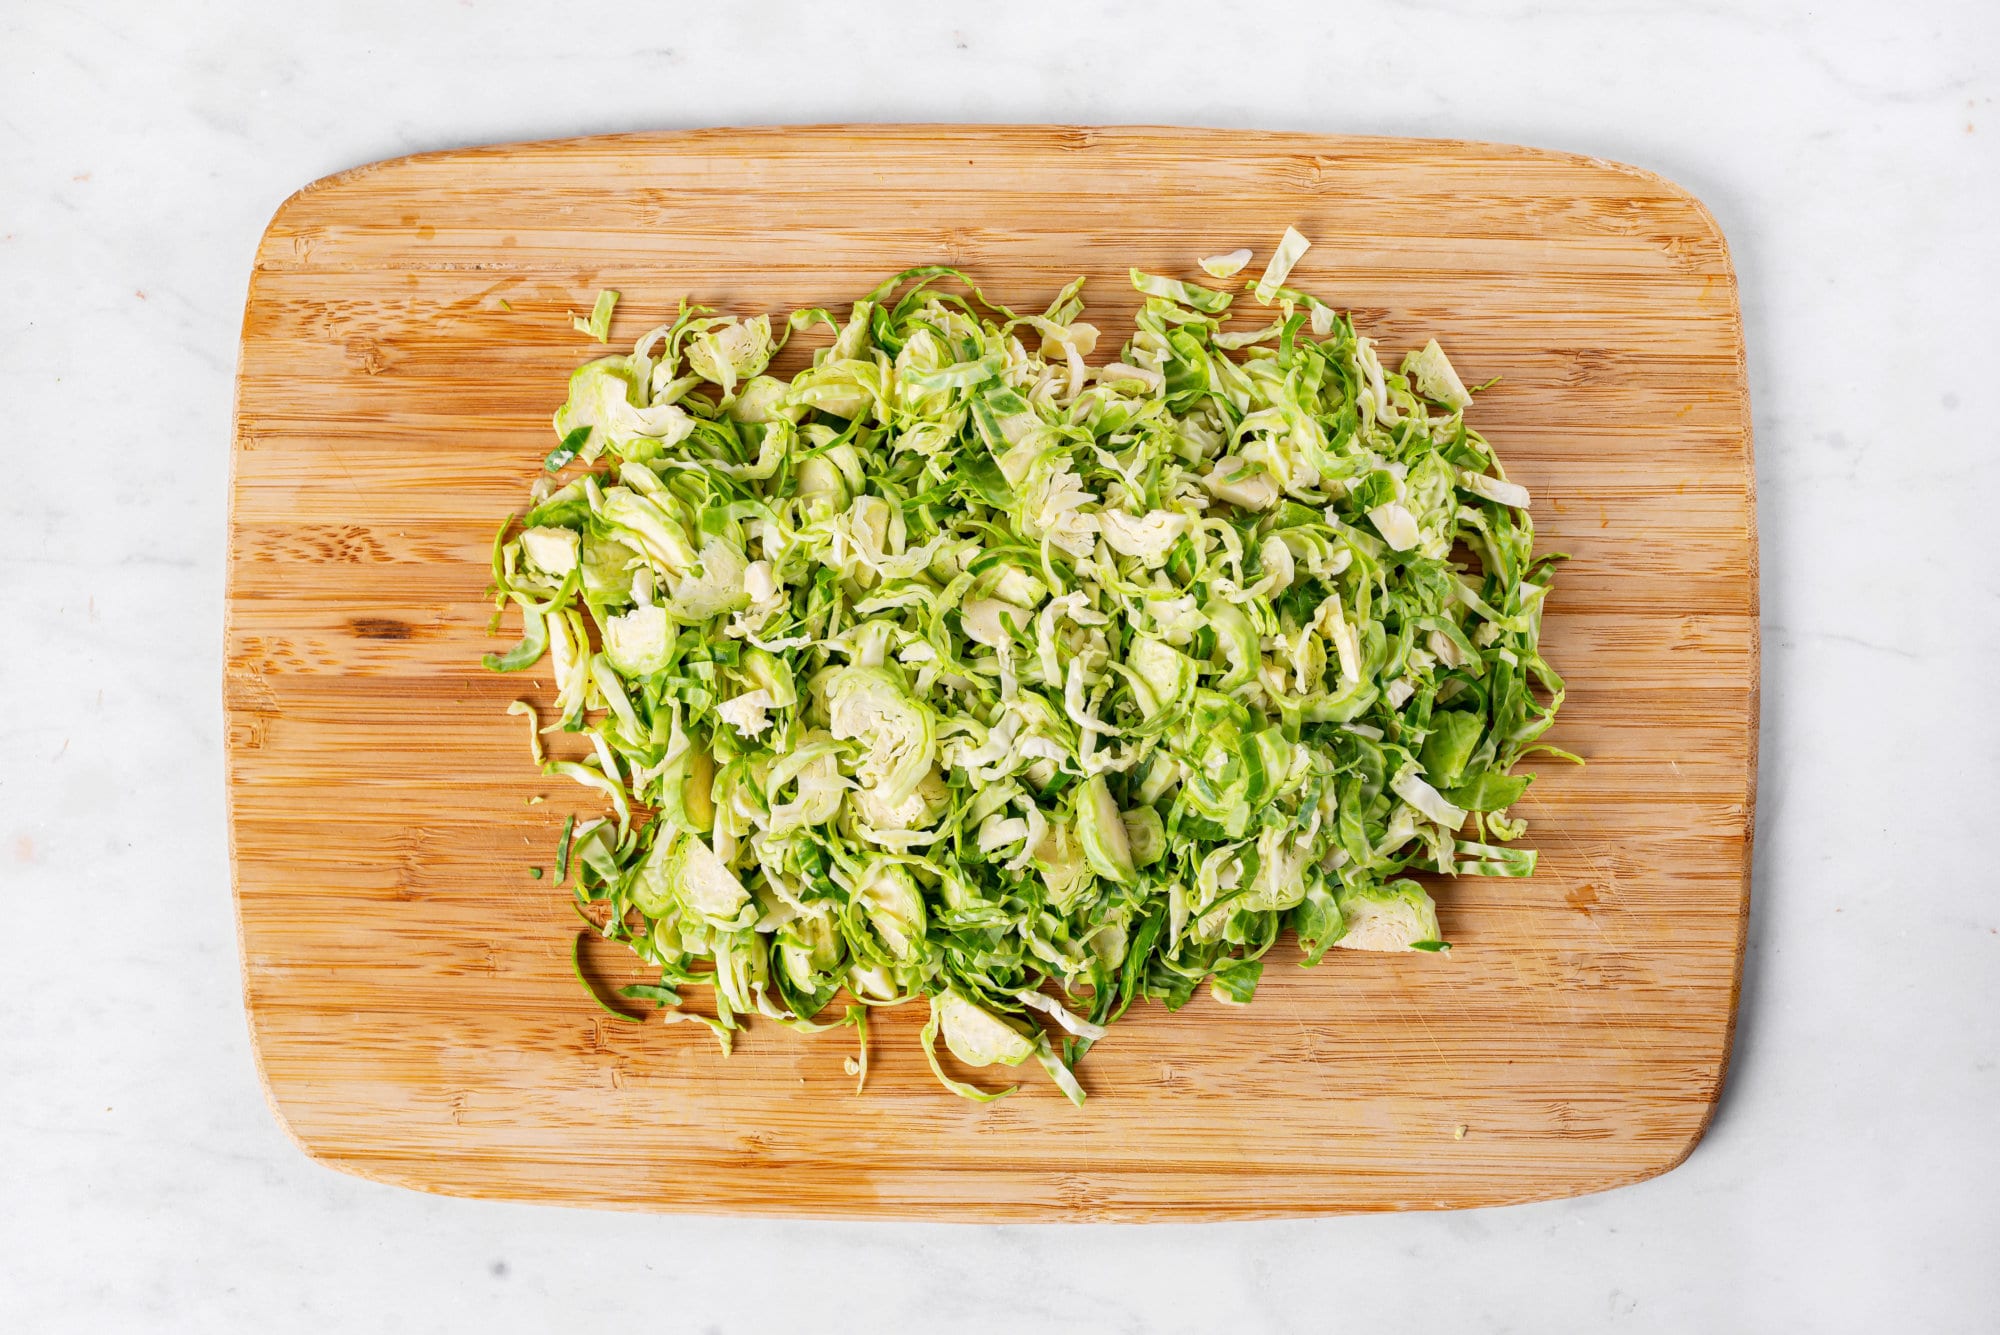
277,1103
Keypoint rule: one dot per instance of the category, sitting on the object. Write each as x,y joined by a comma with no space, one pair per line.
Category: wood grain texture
408,984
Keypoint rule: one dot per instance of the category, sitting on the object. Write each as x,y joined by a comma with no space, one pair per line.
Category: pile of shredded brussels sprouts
974,666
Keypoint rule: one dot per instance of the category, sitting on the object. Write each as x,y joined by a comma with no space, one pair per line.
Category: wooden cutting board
408,983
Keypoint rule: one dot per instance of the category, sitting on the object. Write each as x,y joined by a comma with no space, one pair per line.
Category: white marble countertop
1848,150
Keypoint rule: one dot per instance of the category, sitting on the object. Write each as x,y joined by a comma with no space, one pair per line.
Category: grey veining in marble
1848,149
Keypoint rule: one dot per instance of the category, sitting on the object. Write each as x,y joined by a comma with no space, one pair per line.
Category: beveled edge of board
1056,138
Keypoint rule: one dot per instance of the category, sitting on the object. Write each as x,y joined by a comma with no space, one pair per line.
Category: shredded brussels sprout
1226,265
598,325
967,661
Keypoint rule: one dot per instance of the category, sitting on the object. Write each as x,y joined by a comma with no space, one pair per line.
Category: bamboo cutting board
408,983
